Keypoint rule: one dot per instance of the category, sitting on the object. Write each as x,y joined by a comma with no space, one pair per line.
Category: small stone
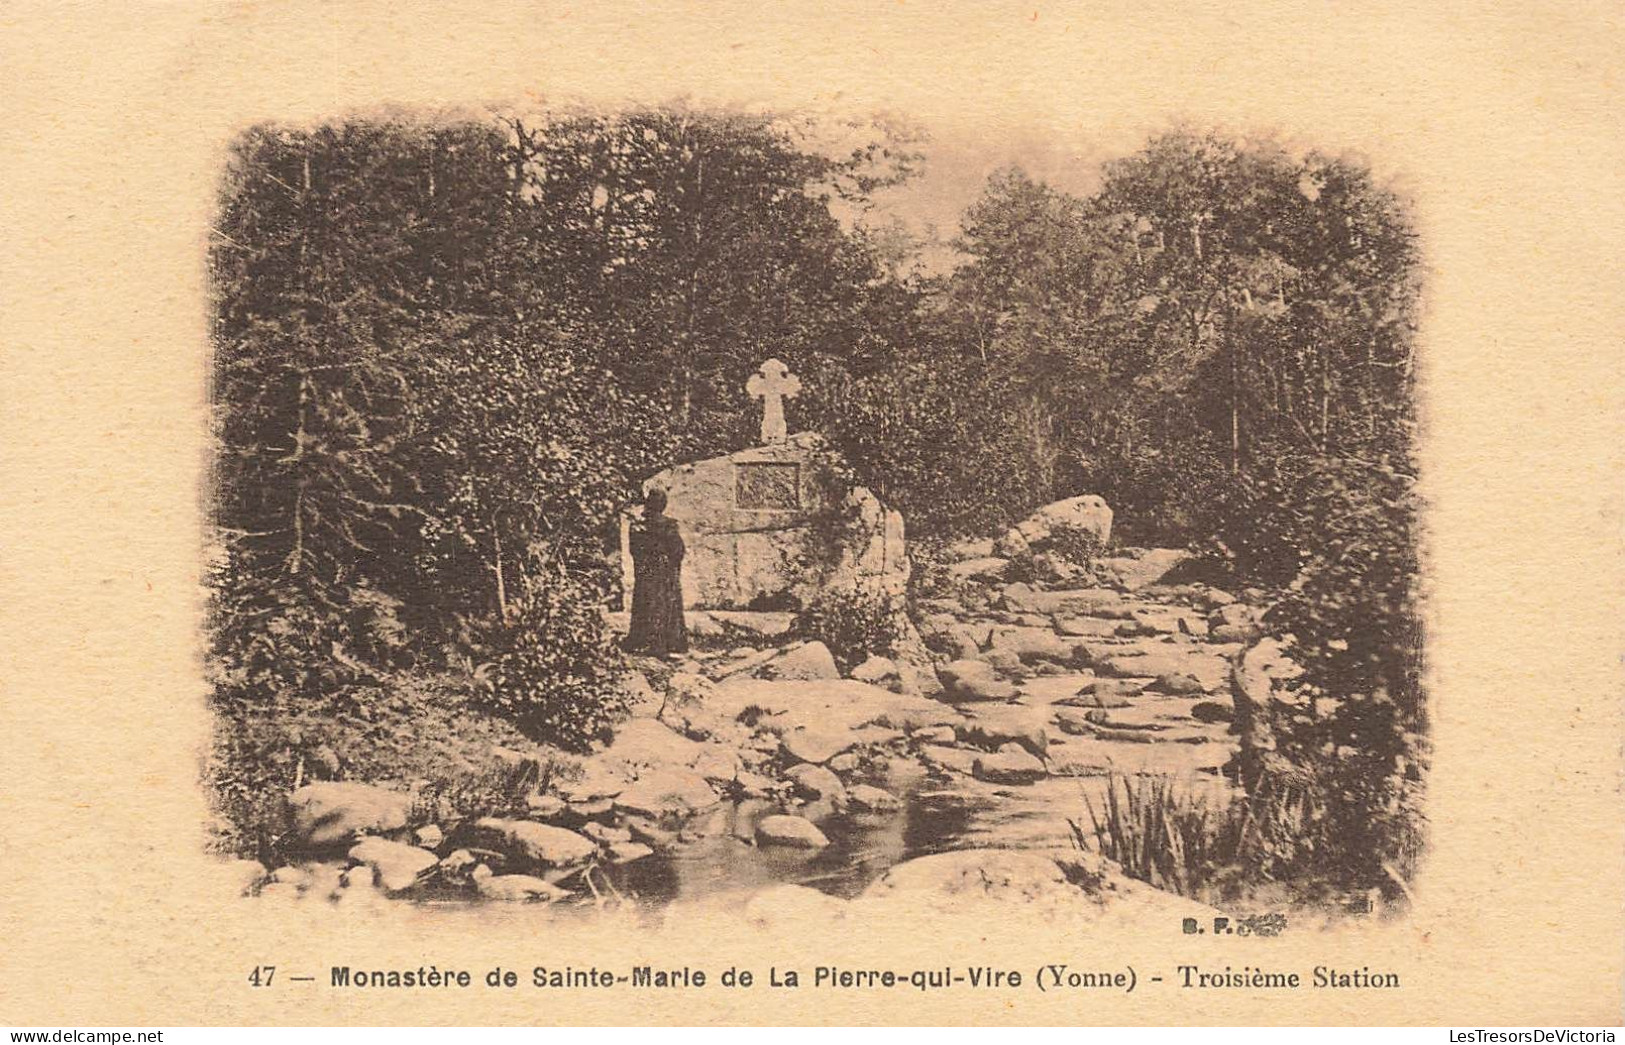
807,662
1178,684
458,863
1011,764
626,852
934,735
396,865
545,807
518,888
969,680
815,745
812,781
874,799
877,670
755,785
540,844
1212,711
845,762
603,834
793,831
429,836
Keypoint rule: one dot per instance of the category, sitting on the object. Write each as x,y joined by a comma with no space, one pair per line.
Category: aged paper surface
1502,123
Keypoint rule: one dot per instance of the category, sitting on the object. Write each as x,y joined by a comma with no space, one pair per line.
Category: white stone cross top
772,385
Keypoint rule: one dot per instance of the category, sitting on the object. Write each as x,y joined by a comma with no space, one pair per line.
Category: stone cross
772,385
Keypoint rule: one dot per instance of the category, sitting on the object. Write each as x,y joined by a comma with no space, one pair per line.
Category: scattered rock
1236,633
1178,684
970,680
811,781
872,799
993,727
626,852
949,758
603,834
545,807
429,836
1011,764
667,791
811,661
754,785
990,568
815,745
458,863
395,865
330,812
1145,569
794,831
520,888
878,671
1032,644
541,845
935,735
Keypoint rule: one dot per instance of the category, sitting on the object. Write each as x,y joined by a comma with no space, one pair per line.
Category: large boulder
331,812
1087,512
540,845
395,865
973,680
796,832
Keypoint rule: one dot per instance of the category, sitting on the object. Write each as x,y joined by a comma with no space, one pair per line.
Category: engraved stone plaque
767,485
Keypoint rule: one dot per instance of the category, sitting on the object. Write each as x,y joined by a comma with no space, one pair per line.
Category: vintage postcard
813,514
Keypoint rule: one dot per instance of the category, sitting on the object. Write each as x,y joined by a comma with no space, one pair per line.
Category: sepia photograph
787,513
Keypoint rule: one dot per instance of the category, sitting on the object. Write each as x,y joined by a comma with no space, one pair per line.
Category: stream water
720,858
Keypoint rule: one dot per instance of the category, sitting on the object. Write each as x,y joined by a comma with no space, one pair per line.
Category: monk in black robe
657,586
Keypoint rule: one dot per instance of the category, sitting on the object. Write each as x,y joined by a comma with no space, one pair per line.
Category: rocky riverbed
752,765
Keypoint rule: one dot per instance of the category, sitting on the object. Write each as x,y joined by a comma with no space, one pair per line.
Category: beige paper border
1502,119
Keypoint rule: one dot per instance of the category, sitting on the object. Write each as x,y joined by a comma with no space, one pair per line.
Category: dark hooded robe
657,587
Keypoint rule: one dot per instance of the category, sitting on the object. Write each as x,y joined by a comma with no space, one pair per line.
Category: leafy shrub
1077,544
557,675
852,622
1337,540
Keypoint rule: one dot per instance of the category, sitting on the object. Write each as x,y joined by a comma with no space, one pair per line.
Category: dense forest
446,354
